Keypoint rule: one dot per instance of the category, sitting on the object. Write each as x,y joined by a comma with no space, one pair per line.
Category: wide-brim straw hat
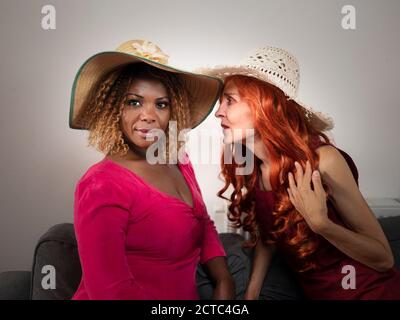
277,67
204,90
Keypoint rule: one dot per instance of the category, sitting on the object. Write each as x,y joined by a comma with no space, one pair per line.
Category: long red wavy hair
287,134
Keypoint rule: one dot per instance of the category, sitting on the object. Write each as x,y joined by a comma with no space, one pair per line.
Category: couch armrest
57,247
15,285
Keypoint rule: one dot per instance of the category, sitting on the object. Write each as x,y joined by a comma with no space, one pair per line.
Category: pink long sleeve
101,220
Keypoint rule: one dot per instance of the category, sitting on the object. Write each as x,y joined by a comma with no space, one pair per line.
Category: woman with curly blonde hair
301,199
141,225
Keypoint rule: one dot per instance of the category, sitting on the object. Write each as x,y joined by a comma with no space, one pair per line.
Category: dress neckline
155,189
258,189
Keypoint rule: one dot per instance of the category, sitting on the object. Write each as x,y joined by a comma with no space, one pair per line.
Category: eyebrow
230,94
139,96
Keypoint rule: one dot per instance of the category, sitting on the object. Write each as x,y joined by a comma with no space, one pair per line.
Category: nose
220,111
148,114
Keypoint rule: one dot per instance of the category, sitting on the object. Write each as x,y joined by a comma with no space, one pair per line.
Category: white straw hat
277,67
204,90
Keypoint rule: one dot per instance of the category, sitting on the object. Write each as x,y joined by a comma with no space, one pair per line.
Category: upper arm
351,205
101,214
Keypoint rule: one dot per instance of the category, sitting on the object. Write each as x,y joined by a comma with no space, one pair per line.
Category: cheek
240,116
128,117
164,117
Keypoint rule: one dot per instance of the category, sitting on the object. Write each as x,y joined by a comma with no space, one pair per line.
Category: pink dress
136,242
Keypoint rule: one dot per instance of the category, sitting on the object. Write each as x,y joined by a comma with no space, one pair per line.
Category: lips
224,126
143,130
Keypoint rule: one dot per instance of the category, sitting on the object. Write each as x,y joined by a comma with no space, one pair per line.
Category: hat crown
145,49
278,65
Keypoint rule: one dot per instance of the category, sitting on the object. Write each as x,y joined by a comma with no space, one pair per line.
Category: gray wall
350,74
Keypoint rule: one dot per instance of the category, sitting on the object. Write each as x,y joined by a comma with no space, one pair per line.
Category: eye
228,101
162,104
133,102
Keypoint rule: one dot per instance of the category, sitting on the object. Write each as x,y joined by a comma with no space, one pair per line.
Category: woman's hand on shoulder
310,203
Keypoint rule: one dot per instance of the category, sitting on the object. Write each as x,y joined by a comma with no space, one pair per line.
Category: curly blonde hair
102,113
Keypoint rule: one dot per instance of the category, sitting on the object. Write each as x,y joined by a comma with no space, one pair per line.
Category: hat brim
203,89
320,121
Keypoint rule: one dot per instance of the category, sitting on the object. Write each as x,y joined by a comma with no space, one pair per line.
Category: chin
142,144
229,138
138,142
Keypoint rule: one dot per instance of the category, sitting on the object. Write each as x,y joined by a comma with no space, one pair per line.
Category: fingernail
316,173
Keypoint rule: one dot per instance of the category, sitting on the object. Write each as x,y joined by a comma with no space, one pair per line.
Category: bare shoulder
330,159
335,171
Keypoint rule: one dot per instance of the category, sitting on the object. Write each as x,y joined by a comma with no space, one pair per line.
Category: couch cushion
238,264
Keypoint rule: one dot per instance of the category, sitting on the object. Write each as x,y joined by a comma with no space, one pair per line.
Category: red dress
325,282
136,242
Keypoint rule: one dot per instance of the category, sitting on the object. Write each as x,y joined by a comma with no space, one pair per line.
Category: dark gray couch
57,247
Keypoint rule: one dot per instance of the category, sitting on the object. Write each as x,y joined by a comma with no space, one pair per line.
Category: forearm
262,259
222,278
360,247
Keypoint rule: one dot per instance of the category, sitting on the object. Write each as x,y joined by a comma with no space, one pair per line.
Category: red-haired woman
302,197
